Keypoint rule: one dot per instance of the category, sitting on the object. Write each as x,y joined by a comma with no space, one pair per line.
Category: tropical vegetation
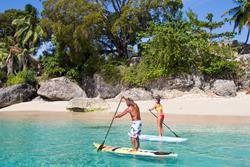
102,36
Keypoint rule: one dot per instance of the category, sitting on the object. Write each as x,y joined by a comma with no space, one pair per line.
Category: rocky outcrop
97,87
136,94
244,80
167,94
248,91
57,89
16,94
87,104
184,82
224,88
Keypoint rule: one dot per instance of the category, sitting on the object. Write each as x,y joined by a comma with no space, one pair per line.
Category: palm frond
27,37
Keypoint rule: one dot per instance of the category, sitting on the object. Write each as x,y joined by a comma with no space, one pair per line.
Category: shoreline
187,105
105,118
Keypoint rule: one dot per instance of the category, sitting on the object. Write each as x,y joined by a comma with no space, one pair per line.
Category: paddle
101,146
166,125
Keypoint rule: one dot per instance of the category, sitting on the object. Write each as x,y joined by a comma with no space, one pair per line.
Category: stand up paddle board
162,138
143,153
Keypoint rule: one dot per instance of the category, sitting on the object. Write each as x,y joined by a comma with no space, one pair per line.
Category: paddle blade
100,147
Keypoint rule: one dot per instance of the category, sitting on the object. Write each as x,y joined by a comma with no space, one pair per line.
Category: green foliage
28,31
2,76
176,48
111,73
3,54
6,18
51,67
93,65
219,68
240,16
209,25
68,21
27,76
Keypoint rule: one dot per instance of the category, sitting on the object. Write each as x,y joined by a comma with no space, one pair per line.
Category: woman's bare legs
161,128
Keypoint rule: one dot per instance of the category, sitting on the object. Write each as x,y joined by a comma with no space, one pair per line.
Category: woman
160,118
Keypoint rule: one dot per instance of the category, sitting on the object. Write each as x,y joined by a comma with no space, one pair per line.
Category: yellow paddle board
128,151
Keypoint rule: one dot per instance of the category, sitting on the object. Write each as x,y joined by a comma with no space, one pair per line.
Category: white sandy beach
191,104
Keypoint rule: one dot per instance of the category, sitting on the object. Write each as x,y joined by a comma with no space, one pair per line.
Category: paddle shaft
166,125
100,147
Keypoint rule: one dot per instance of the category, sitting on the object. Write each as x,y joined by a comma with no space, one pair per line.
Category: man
135,131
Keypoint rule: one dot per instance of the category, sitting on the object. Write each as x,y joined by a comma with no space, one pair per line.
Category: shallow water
29,142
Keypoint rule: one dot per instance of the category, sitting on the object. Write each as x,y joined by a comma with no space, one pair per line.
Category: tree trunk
248,33
9,62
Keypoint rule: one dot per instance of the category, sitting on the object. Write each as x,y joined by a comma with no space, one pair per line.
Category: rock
39,98
60,89
224,88
196,90
16,94
248,91
136,94
184,82
97,87
87,104
244,80
104,89
89,85
167,94
207,87
198,81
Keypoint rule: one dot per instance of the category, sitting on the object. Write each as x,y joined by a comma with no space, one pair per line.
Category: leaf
27,37
35,38
20,32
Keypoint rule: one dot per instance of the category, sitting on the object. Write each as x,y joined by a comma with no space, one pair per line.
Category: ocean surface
34,142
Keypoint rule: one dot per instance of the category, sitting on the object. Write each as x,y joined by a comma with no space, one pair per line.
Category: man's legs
138,144
133,144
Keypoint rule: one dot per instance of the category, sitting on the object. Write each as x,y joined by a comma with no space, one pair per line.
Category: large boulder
16,94
224,88
87,104
167,94
184,82
60,89
136,94
98,87
244,80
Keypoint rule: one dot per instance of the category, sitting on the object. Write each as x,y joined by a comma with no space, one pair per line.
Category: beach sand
186,109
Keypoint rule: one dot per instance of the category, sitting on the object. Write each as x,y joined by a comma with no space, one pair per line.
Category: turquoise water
69,143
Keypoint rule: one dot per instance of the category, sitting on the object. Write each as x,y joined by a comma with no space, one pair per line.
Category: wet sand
105,118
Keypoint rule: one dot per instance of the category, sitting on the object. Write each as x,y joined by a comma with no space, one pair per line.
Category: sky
201,7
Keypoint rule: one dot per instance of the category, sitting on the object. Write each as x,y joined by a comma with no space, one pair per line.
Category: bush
220,68
27,76
111,73
2,75
176,48
51,67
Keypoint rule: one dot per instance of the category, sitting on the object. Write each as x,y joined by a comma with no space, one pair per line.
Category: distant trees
90,36
21,35
112,26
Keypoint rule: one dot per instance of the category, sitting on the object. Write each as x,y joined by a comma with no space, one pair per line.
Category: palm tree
8,48
240,16
29,32
28,36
